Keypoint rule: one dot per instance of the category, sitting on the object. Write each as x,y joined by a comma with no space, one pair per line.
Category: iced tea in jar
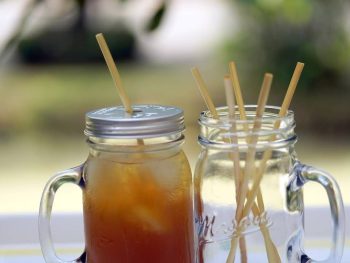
137,189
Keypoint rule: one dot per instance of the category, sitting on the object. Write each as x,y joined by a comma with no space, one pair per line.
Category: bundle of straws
248,199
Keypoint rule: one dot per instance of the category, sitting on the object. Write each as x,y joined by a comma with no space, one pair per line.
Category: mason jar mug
137,189
249,191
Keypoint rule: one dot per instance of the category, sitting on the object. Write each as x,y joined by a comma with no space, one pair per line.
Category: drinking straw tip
300,66
114,72
269,75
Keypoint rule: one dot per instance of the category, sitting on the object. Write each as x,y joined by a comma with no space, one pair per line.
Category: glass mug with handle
265,223
137,189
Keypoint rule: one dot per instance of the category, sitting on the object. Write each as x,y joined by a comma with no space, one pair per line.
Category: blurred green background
52,72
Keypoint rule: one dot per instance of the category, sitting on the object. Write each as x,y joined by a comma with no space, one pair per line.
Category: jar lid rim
146,121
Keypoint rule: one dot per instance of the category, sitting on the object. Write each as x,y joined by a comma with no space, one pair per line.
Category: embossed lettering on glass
272,230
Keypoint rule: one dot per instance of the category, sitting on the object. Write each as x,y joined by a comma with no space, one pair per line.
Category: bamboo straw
230,101
267,155
249,169
243,115
238,176
114,72
291,89
238,92
208,101
204,92
271,250
116,77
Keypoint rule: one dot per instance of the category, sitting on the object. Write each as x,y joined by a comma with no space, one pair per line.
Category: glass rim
269,116
245,146
274,136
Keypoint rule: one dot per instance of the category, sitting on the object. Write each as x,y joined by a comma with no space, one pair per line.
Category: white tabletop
19,237
253,258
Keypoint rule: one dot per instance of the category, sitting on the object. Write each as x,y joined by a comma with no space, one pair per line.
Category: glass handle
73,175
307,174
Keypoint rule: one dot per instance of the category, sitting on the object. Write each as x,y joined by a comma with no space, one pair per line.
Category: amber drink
137,188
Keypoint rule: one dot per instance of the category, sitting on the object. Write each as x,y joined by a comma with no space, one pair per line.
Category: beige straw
243,116
238,176
204,92
230,101
208,101
238,91
267,155
249,169
114,72
270,247
116,78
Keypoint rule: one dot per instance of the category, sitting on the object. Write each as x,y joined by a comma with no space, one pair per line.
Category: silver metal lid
145,122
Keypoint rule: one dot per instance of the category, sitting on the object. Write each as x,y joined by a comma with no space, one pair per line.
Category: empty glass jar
249,191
